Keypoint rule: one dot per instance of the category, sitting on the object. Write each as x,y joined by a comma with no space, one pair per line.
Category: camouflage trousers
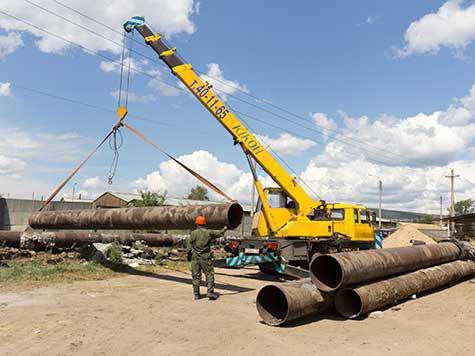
202,264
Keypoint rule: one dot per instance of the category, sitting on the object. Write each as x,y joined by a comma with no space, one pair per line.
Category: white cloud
370,20
287,143
415,154
93,182
10,165
29,158
114,67
169,17
178,182
411,155
469,100
18,143
156,81
134,97
323,121
10,43
406,188
420,140
451,26
224,86
160,85
5,89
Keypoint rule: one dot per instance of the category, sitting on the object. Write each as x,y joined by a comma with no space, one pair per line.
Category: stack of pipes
136,218
356,283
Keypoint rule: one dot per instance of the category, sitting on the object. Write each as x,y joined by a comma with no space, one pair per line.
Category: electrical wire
106,110
379,149
269,147
51,12
176,87
95,53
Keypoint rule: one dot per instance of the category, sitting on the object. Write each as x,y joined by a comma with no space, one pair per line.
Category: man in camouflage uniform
199,253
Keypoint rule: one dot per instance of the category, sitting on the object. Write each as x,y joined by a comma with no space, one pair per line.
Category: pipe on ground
278,304
354,302
334,271
37,240
159,217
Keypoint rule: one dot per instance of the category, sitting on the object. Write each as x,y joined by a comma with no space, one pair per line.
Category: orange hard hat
200,220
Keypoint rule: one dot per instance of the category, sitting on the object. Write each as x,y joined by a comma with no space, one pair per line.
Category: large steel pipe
354,302
278,304
159,217
333,271
10,238
37,240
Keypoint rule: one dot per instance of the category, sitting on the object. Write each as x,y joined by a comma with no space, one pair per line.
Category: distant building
120,200
115,200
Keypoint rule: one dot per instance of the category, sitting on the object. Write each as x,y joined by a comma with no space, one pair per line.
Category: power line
94,32
300,135
95,20
90,50
320,132
106,110
297,176
220,81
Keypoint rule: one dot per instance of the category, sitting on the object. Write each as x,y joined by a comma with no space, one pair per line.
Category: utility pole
452,177
74,190
380,186
440,216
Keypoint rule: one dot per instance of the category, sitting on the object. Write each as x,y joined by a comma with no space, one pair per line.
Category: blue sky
368,68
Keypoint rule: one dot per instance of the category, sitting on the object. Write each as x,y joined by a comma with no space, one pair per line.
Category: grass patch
37,274
114,253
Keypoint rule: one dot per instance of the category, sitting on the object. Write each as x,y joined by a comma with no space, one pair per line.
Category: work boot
211,294
196,292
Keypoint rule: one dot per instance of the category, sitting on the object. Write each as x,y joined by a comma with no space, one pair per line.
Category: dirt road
154,314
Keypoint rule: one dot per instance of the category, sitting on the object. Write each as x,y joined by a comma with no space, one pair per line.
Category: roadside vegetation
43,268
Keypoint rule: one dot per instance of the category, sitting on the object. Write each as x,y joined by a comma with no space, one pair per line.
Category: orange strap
61,186
195,174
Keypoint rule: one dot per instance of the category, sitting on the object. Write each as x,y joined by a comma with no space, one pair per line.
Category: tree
464,206
198,193
427,219
150,198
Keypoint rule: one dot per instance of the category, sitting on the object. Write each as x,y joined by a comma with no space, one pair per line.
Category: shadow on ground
166,277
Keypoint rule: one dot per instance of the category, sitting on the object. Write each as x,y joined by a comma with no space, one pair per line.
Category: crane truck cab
334,226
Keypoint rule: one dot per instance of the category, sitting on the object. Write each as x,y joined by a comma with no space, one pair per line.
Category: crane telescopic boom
251,146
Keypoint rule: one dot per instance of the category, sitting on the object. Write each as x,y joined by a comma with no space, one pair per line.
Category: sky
346,93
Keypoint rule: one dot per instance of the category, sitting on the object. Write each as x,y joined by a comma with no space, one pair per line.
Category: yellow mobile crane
297,226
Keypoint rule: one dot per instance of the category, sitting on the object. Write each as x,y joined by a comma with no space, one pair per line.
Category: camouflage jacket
199,242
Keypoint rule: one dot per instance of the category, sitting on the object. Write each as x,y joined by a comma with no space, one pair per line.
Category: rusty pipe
37,240
278,304
10,238
333,271
354,302
159,217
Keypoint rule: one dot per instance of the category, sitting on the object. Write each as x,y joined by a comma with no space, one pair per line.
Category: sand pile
403,236
422,226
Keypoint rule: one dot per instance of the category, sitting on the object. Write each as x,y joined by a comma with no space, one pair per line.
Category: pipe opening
272,305
348,303
326,273
235,214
